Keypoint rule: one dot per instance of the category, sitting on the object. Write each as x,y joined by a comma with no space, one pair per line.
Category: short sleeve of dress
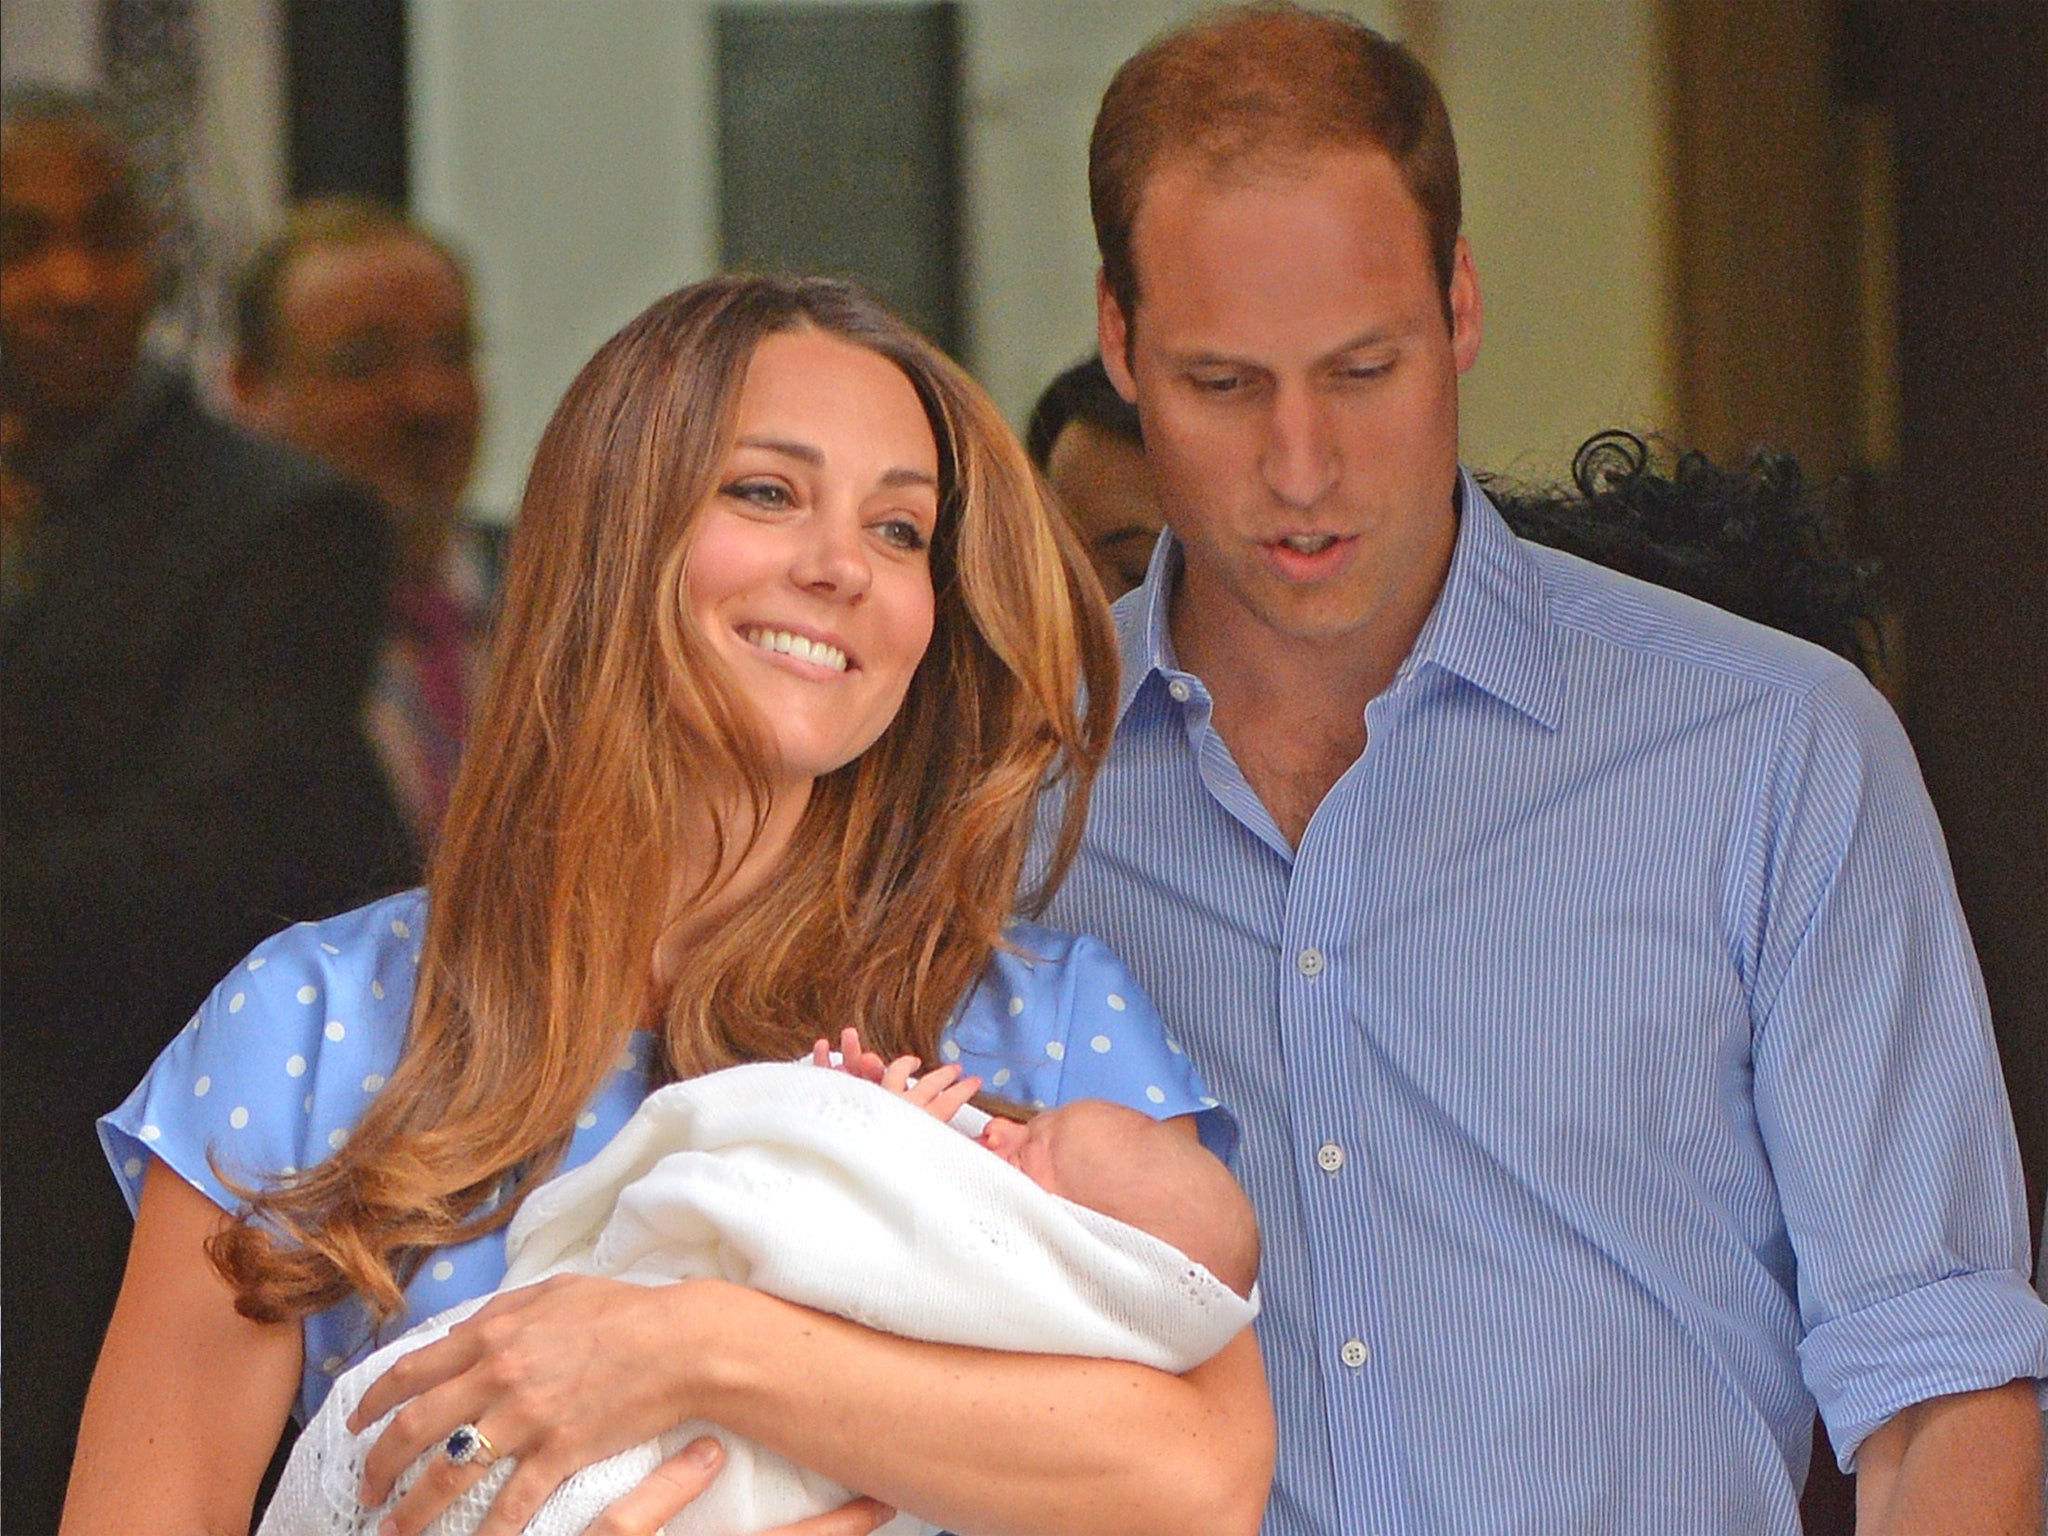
1059,1017
281,1059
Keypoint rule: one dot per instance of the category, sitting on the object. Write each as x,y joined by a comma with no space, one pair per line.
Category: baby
866,1191
1112,1159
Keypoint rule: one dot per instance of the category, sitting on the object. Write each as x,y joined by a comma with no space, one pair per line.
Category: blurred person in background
186,644
355,342
1084,438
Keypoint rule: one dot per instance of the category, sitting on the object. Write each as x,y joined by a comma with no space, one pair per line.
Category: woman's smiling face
809,574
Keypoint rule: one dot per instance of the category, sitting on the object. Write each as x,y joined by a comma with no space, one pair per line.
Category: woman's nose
831,558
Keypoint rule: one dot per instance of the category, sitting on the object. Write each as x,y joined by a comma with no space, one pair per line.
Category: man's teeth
1309,543
815,651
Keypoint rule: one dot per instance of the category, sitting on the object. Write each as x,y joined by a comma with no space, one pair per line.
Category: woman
790,644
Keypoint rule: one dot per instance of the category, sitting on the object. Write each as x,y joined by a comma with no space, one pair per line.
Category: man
1084,437
183,669
1582,962
355,344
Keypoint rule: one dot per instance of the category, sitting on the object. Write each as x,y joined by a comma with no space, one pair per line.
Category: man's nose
1300,461
831,557
71,274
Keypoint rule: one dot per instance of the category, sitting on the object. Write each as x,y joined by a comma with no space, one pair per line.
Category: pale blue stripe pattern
1613,1068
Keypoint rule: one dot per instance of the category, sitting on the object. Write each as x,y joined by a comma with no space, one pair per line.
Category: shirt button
1309,962
1329,1157
1353,1353
1180,691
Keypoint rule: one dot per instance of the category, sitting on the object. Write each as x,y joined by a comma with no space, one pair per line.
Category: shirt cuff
1965,1333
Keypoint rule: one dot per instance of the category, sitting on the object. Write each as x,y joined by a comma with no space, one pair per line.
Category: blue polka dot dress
278,1065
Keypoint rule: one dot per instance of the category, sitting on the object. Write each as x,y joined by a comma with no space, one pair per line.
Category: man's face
375,374
76,278
1106,488
1297,380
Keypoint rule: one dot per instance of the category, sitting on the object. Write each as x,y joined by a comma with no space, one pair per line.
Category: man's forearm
994,1442
1968,1463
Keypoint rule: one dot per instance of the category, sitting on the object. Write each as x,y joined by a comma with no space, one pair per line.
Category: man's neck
1291,708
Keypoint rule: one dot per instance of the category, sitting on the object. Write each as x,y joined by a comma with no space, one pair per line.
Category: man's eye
22,237
361,358
1360,373
1216,383
902,533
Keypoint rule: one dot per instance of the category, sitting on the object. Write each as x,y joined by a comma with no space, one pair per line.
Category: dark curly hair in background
1757,541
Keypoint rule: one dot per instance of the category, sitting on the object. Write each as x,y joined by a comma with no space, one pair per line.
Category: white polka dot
149,1133
331,1364
308,993
1116,1002
295,1066
373,1082
1038,1103
289,1169
337,1136
1156,1095
1207,1102
585,1120
1056,1049
1002,1076
238,1116
950,1049
1016,1006
335,1029
443,1269
377,989
329,948
309,1104
626,1063
235,1002
400,929
133,1167
1173,1045
192,1023
257,962
1099,1044
202,1087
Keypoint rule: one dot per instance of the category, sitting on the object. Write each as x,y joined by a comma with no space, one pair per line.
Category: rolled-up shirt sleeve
1878,1090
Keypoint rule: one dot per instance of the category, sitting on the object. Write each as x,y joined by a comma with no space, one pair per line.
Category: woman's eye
769,494
901,533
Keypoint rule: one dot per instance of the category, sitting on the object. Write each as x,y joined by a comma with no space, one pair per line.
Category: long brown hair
607,728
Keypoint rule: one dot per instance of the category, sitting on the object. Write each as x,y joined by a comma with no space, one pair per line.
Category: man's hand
1967,1463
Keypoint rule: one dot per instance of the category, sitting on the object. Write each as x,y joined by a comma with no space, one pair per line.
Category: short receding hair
1266,83
320,223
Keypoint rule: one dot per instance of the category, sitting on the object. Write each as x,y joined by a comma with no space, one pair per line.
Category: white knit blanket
822,1190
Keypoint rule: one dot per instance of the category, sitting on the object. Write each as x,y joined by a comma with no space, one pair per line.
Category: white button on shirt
1179,691
1309,962
1353,1353
1329,1157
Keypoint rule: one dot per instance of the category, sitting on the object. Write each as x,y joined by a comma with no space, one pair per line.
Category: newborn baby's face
1027,1147
1068,1151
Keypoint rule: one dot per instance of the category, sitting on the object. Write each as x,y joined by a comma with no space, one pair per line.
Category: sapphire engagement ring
468,1446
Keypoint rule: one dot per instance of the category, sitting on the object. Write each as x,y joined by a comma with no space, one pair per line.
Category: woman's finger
855,1519
664,1492
441,1361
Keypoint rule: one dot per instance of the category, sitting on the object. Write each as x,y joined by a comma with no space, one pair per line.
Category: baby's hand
939,1092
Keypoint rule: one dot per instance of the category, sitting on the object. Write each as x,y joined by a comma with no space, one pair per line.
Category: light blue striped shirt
1614,1071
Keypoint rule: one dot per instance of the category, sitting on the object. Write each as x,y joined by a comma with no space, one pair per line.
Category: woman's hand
559,1375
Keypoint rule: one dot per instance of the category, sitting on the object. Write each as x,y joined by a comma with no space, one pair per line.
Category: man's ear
1113,336
249,396
1466,310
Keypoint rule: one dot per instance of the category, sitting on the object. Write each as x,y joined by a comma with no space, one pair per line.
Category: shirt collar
1490,625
